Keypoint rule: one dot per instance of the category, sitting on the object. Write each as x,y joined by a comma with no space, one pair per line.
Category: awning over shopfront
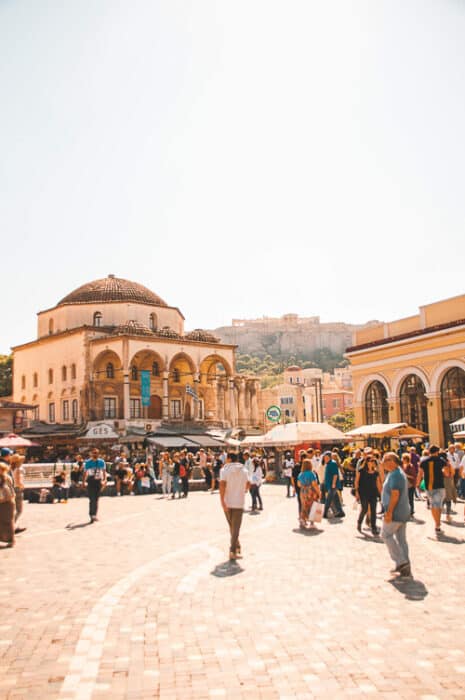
205,441
297,434
457,427
385,430
169,442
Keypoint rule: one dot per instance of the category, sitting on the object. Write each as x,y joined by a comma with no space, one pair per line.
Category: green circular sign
273,413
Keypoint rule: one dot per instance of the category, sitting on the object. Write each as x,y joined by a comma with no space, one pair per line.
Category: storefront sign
102,431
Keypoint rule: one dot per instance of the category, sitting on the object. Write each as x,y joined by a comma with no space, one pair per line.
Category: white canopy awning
296,434
379,430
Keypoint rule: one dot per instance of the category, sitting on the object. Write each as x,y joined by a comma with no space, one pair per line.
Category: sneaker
438,531
232,556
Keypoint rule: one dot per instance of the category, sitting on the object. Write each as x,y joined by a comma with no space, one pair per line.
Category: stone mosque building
93,347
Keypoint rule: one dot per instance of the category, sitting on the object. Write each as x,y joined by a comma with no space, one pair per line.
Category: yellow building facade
413,370
94,346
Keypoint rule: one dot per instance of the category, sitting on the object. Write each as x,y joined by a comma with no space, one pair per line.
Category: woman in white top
256,480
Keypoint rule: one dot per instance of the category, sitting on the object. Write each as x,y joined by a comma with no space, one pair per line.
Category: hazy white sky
240,158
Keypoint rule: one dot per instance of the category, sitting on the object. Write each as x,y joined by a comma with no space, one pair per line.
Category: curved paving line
80,681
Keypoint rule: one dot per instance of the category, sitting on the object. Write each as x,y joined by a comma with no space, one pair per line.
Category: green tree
343,421
6,375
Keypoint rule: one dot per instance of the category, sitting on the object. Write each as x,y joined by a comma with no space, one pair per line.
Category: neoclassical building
413,370
96,344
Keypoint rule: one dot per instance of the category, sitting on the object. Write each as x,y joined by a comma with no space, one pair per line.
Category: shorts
436,497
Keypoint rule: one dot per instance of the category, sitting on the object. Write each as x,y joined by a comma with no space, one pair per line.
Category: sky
240,159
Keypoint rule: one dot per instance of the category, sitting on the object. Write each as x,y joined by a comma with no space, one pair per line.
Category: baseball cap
5,451
367,450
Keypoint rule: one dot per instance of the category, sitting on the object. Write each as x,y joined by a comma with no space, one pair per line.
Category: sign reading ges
101,430
273,413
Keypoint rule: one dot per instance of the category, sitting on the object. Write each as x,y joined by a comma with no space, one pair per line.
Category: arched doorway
376,404
155,408
187,411
413,403
452,399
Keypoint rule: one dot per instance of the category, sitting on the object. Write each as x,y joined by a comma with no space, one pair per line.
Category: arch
441,370
97,318
364,384
414,402
145,359
406,372
213,366
182,368
376,406
452,398
101,366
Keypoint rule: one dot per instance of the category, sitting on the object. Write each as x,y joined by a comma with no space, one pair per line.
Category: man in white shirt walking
234,484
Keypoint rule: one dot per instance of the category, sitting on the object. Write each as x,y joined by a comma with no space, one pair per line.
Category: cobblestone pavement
144,604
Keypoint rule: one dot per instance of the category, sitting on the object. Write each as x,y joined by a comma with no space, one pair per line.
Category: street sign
273,413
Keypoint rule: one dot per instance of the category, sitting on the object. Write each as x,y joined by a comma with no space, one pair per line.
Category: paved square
144,604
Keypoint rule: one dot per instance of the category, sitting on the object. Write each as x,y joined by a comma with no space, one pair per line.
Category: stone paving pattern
144,604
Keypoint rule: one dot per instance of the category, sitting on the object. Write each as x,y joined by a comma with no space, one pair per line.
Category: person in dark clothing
95,477
367,490
296,469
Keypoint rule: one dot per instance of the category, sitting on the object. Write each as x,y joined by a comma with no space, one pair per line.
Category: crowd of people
395,479
390,481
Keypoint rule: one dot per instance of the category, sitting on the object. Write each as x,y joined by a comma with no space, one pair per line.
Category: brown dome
110,289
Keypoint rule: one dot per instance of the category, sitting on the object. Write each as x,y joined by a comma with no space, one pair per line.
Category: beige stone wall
72,316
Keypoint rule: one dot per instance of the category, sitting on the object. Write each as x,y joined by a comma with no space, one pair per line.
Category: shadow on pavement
410,588
455,524
309,533
368,538
449,539
76,526
227,568
417,521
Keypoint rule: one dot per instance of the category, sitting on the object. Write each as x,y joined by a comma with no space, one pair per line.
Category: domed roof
110,289
294,368
132,328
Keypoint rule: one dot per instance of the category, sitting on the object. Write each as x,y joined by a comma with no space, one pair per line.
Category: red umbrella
13,441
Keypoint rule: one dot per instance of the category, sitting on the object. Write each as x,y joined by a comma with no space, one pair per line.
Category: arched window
153,322
176,375
413,403
50,326
64,373
35,379
73,371
23,381
110,370
134,373
376,404
97,318
50,376
155,369
452,399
